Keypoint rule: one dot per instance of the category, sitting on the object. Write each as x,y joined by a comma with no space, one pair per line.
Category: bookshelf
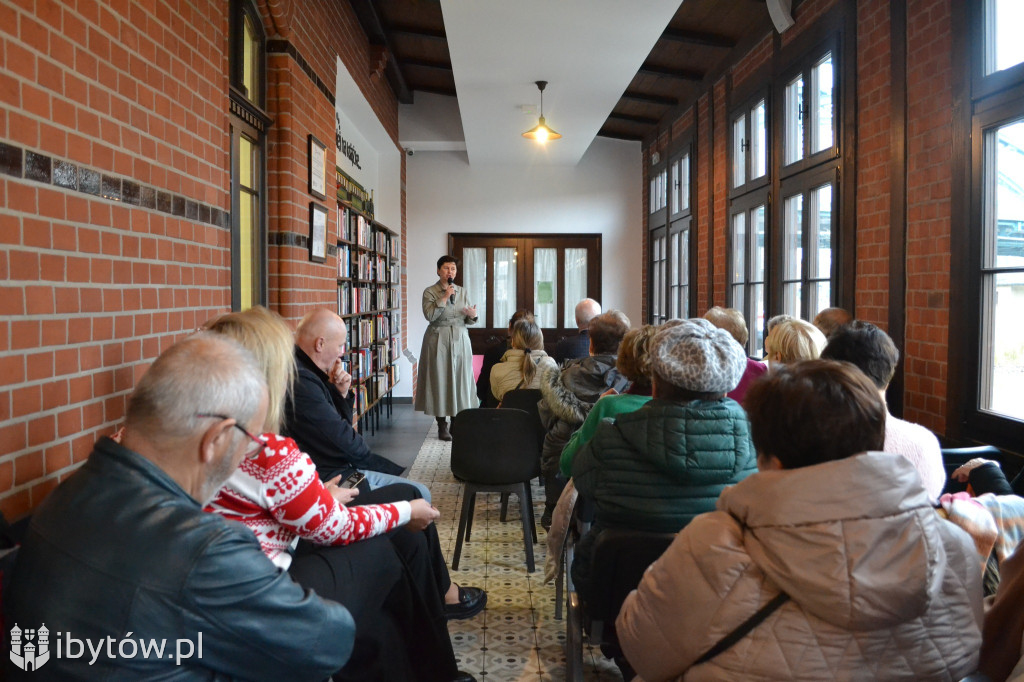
369,302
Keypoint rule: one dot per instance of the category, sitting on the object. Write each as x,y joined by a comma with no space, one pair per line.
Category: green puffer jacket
657,468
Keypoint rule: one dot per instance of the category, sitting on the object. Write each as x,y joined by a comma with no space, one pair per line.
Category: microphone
451,299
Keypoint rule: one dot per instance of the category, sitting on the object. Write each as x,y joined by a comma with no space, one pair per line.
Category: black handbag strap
744,628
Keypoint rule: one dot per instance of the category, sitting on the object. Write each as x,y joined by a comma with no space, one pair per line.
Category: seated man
874,353
830,320
578,346
318,415
122,551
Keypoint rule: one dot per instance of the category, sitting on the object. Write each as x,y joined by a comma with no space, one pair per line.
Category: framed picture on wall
317,168
317,232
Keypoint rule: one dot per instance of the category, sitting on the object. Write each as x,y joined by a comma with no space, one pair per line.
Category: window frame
745,205
804,65
746,108
666,226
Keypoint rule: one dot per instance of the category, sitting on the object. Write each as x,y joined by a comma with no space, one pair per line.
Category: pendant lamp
541,132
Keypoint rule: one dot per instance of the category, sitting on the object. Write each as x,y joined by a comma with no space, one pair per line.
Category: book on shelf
344,298
344,261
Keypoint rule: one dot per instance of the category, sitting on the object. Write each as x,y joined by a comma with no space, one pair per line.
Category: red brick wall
929,187
719,210
702,218
106,267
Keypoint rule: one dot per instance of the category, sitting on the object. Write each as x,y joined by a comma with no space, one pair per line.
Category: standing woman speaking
445,381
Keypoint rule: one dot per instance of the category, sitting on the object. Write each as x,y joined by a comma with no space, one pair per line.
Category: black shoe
463,676
471,602
545,519
442,431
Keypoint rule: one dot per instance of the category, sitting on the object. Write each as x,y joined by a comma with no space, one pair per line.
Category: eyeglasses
257,445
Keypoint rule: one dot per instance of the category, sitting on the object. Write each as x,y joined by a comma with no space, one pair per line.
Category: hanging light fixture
541,132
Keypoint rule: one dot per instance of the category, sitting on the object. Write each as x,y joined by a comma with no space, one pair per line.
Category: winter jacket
568,396
507,375
606,408
881,587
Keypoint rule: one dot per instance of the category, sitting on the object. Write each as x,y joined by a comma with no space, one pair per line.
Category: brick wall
114,177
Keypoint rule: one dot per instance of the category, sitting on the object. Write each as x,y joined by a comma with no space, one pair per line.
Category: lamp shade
540,132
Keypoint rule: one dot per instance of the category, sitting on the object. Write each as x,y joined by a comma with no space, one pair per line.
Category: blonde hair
527,336
634,360
794,339
731,320
266,335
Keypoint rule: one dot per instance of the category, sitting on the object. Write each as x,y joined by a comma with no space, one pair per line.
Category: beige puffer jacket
508,374
881,588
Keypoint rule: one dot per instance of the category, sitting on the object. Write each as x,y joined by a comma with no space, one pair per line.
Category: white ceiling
587,50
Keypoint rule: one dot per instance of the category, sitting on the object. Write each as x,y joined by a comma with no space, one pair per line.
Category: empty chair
493,451
526,399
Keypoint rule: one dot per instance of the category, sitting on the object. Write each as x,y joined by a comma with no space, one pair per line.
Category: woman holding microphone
445,381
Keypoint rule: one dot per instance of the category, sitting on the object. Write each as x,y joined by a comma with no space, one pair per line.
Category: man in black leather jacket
122,553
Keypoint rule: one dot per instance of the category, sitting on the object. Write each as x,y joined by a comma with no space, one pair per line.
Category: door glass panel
505,304
794,136
821,123
545,287
758,152
739,151
575,284
474,279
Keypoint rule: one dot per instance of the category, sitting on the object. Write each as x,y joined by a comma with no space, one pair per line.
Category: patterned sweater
280,497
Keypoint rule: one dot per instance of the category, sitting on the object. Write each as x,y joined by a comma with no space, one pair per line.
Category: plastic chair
527,399
490,454
619,560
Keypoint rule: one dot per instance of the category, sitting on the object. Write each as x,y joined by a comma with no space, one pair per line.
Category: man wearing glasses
121,555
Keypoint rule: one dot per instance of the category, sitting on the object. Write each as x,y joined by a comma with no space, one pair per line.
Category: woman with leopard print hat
657,468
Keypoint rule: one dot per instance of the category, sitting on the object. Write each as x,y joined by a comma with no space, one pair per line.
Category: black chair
956,457
527,399
618,562
491,454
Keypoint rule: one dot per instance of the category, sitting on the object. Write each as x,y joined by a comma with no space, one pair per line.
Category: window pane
1004,245
505,304
756,338
653,193
246,154
575,283
545,287
794,135
758,151
1002,350
250,60
821,105
791,298
684,261
673,277
738,301
684,185
821,293
1003,48
820,266
739,248
739,151
792,240
674,188
757,224
474,279
248,214
663,191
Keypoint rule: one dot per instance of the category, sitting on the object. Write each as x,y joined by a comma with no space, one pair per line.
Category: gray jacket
121,551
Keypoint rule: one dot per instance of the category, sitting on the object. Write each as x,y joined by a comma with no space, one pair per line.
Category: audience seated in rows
657,468
492,356
389,585
792,340
521,366
872,351
831,320
577,345
123,549
731,320
569,394
877,585
634,363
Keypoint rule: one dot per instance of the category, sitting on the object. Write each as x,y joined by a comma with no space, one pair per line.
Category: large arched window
249,123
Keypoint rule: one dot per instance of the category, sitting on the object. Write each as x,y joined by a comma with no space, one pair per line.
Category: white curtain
545,287
505,303
575,283
474,279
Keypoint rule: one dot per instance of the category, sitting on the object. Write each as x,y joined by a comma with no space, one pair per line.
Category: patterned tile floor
516,638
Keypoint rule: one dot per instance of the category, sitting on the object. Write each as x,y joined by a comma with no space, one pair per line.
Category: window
807,227
547,275
808,116
749,151
669,246
747,267
659,183
248,123
1002,47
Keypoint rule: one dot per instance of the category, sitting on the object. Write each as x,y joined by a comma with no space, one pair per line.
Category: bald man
830,320
578,346
318,413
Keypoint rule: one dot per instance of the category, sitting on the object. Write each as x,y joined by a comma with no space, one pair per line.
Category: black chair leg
472,507
527,518
468,501
504,508
528,509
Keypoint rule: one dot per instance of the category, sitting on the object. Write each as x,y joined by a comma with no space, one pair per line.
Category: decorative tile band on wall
298,240
22,163
279,46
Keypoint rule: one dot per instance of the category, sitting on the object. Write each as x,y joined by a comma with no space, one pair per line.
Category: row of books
355,228
367,267
370,391
356,300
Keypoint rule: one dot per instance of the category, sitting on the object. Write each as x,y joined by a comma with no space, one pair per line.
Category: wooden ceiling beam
450,92
417,31
374,30
672,72
427,64
650,99
697,38
619,136
645,120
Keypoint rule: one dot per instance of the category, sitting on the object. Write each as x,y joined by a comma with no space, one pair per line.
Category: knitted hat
697,356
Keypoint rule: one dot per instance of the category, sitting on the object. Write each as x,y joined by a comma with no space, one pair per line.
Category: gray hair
204,373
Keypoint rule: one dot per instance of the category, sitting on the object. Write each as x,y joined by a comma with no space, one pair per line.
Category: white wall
601,194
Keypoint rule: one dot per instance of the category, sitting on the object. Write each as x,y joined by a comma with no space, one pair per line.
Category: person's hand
449,292
963,472
340,495
340,378
423,514
469,311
